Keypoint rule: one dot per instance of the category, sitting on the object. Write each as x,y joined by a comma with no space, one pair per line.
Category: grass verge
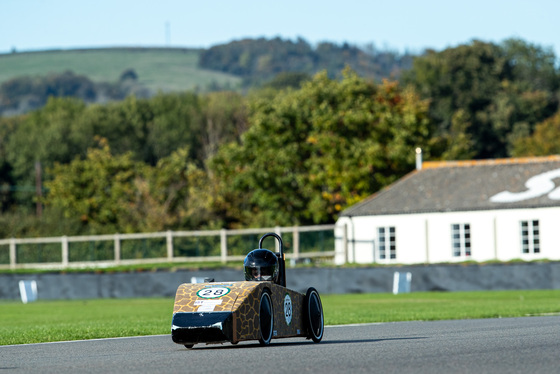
429,306
49,321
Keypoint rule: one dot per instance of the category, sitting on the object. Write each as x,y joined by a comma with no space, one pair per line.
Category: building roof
468,185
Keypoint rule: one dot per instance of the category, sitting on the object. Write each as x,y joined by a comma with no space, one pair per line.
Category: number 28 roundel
212,293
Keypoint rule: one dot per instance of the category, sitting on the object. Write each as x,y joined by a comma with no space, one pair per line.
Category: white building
480,211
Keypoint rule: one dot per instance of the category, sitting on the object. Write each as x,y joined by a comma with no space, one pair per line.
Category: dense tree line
259,60
306,155
215,160
297,151
310,153
23,94
492,94
150,129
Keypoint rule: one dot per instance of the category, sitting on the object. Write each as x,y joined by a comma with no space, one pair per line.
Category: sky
401,26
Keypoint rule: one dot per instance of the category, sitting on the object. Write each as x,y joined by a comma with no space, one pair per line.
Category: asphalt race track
509,345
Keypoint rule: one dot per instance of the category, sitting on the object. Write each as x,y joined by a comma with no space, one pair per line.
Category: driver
261,265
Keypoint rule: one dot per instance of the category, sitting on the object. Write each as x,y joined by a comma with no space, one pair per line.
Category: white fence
218,248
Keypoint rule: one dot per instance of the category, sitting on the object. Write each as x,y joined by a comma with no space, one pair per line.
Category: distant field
165,69
48,321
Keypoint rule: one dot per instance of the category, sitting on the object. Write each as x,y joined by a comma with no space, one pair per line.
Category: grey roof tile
462,186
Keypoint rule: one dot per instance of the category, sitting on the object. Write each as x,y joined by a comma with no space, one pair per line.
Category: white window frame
530,237
386,244
461,240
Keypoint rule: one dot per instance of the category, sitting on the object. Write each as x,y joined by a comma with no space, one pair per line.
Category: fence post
169,245
117,248
296,243
277,231
345,242
12,253
64,241
223,245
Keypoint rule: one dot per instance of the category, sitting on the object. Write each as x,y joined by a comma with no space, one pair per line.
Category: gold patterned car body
229,312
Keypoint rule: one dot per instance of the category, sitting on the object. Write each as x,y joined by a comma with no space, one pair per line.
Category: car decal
207,305
288,309
213,292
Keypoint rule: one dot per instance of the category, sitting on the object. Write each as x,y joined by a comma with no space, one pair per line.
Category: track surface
510,345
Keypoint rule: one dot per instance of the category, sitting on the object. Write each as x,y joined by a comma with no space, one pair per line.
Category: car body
218,312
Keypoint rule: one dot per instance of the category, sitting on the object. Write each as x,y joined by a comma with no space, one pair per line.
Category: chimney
418,158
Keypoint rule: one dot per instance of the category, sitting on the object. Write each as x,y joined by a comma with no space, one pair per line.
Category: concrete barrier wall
325,280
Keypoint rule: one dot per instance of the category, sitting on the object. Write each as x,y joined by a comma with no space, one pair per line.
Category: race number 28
288,309
212,293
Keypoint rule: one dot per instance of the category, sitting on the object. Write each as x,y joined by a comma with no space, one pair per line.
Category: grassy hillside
165,69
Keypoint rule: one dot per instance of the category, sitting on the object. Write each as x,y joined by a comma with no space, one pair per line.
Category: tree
108,193
287,79
463,78
175,121
533,67
23,94
98,191
531,95
128,75
499,91
224,119
47,135
310,153
259,60
165,195
7,181
543,142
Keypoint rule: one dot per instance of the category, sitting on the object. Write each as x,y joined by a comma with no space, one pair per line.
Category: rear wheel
189,346
266,318
313,310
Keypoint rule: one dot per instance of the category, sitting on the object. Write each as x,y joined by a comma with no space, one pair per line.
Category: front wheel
266,318
313,310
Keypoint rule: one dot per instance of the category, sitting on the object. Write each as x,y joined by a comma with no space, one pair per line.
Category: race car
259,308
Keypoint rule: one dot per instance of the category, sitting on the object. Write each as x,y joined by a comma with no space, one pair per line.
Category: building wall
440,241
508,233
427,238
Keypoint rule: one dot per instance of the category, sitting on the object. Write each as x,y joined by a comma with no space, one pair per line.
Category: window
461,239
530,242
387,243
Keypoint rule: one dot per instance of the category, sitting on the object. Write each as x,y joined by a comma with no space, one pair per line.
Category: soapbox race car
260,308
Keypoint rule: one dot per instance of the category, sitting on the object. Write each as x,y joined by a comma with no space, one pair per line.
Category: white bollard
401,282
28,290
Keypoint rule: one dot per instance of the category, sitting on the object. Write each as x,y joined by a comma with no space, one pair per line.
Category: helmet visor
261,273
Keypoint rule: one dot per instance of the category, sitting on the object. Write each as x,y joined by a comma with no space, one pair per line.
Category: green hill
28,79
165,69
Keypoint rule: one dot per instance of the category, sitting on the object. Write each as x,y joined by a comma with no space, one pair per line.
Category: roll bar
281,257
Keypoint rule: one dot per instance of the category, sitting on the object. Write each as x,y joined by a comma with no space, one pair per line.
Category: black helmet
261,265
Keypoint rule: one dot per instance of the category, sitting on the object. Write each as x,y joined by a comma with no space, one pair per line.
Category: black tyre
189,346
266,318
313,310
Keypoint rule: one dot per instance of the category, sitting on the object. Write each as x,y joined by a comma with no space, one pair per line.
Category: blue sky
397,25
